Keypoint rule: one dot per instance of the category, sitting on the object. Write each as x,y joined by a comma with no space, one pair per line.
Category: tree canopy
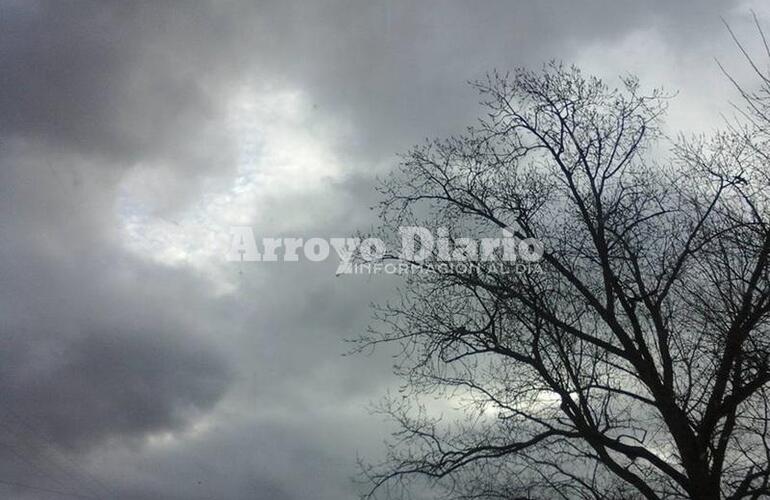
634,363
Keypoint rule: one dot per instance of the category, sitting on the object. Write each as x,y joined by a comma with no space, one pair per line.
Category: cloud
134,363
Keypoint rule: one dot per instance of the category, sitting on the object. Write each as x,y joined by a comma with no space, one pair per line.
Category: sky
135,361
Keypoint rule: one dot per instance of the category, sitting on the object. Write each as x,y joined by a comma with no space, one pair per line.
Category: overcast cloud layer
134,362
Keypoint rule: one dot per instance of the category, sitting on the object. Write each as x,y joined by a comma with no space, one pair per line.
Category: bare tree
632,362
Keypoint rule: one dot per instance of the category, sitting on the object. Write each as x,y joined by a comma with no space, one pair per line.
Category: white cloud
284,152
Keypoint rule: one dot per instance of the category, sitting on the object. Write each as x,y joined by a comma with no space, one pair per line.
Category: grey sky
134,362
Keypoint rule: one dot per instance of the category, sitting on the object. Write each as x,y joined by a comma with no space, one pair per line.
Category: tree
634,362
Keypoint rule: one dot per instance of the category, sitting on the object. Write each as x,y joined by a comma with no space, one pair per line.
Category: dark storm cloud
95,372
87,350
99,78
96,346
290,458
103,350
138,80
